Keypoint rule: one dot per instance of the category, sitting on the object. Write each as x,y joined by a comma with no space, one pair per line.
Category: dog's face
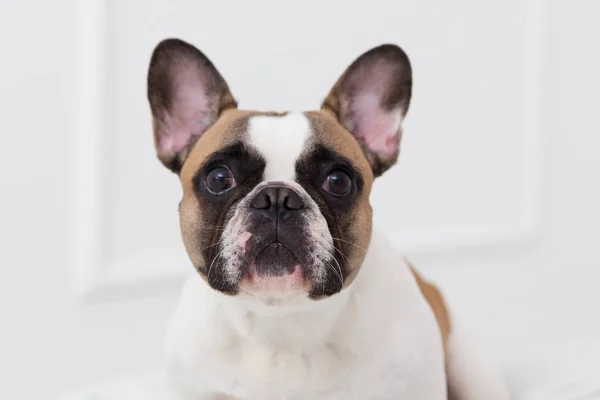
276,205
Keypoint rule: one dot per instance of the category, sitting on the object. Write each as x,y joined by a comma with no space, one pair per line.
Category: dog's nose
277,201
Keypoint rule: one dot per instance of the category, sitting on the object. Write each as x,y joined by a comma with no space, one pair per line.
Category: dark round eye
338,183
219,180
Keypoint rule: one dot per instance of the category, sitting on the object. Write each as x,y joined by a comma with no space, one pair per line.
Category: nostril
293,202
262,201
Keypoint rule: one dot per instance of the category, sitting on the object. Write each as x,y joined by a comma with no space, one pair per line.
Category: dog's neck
298,320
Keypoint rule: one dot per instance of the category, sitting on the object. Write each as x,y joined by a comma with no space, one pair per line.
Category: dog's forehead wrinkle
281,141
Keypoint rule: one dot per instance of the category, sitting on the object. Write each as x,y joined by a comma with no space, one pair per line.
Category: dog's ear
186,94
370,100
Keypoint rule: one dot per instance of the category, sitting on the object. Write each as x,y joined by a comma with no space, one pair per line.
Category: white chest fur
378,339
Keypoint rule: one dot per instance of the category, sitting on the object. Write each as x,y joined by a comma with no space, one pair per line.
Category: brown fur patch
437,304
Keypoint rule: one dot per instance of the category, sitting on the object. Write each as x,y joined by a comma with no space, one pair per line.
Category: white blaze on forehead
280,141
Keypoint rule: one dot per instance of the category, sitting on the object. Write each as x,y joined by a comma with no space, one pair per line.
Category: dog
295,295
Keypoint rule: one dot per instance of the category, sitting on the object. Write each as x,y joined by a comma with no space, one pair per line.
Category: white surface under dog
555,371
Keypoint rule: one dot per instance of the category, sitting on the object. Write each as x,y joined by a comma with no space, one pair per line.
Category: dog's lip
276,244
288,284
267,245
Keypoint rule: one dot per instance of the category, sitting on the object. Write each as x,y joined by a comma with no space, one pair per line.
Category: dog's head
276,205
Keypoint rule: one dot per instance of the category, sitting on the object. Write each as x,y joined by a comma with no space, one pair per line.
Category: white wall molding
93,274
87,168
527,226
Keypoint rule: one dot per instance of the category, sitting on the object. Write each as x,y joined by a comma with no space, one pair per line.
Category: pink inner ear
378,129
189,116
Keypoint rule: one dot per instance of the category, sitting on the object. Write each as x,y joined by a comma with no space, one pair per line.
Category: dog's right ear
186,94
370,100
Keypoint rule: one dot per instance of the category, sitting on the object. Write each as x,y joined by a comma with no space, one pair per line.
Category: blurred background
495,198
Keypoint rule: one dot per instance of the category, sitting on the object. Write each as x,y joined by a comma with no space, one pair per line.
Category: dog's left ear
370,100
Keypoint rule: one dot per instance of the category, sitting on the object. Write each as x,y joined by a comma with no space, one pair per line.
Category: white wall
469,128
547,289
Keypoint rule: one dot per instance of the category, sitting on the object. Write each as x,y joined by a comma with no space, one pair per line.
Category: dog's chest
251,370
286,371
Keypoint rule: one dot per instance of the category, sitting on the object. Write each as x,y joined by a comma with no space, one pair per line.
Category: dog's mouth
275,272
275,259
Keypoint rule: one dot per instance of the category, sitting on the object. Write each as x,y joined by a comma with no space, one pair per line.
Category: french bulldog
295,295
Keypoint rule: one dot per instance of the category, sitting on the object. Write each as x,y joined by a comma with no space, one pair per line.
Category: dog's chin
274,276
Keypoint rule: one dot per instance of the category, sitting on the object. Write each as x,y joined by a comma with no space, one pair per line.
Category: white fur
280,141
378,339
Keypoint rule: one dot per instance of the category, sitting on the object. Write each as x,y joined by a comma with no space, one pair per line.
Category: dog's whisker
340,270
215,226
344,257
216,229
212,263
209,246
219,254
331,267
350,243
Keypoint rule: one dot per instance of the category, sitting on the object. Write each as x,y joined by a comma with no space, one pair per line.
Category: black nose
277,201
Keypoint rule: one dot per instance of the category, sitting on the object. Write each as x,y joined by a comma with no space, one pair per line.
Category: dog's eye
219,180
338,183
